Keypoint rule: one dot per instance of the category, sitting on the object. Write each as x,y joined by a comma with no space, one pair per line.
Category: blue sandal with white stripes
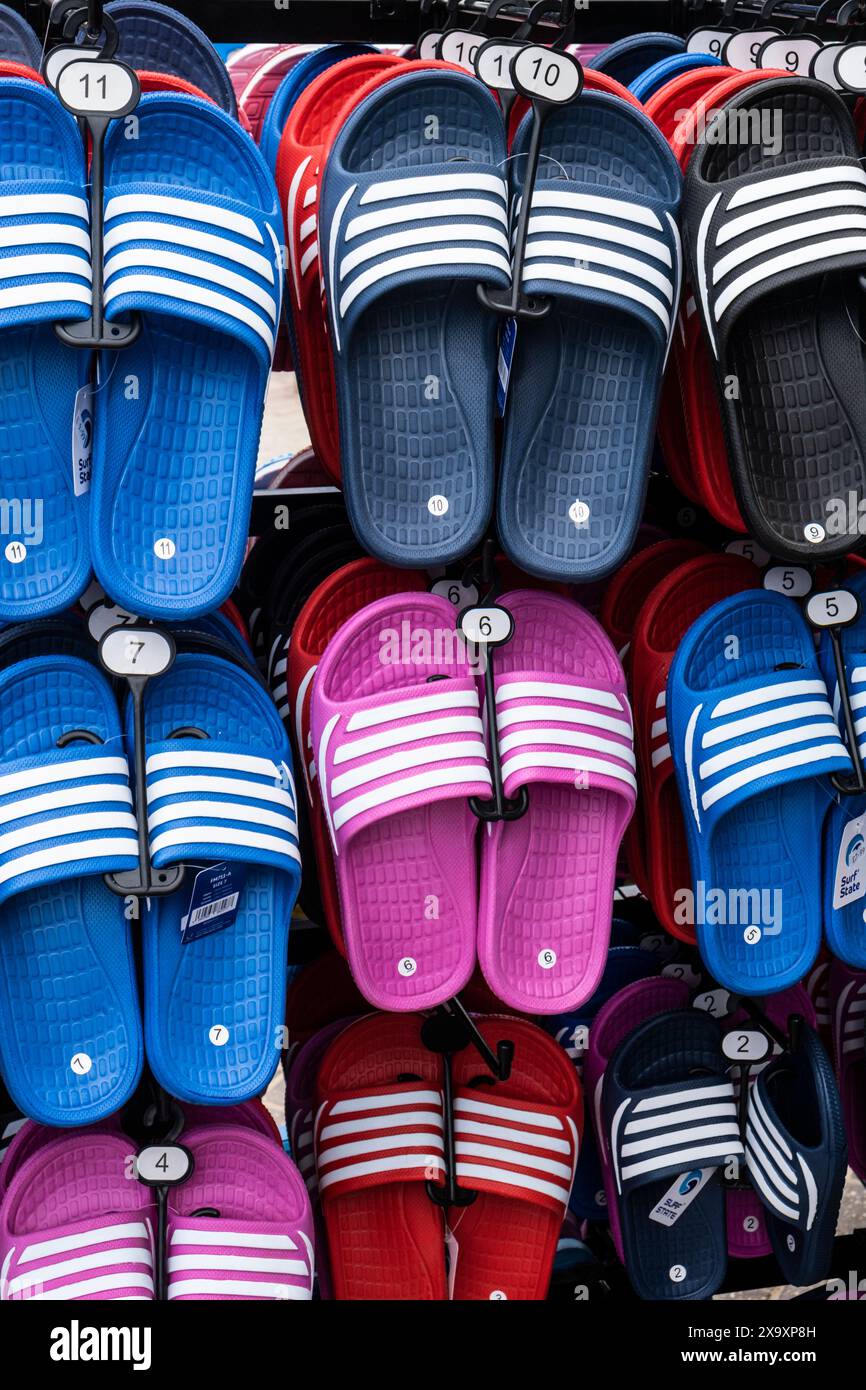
776,236
71,1046
220,793
45,552
796,1155
192,235
753,738
671,1121
845,826
586,378
412,218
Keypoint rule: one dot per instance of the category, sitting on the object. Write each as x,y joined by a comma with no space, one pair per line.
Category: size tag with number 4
833,608
136,651
163,1165
93,87
490,626
542,75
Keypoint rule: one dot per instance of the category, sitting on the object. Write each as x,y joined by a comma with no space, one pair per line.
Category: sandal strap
387,1134
513,1148
228,1259
674,1129
102,1258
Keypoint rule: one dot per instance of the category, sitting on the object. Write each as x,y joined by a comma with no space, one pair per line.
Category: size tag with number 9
488,627
91,87
850,67
136,651
833,608
541,74
790,53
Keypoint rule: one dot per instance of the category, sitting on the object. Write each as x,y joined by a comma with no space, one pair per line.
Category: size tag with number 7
136,651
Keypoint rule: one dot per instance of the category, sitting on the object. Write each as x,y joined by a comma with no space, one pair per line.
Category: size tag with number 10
543,75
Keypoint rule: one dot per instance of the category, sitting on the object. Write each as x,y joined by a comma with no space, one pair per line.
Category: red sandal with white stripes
378,1138
517,1144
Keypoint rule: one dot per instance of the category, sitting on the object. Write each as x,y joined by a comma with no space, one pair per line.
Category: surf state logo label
681,1193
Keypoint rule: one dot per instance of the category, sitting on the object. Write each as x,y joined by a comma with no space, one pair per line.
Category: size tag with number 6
136,651
92,87
490,626
542,75
833,608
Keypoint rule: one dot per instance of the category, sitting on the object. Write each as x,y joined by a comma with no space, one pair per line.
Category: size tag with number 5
490,626
792,580
91,87
542,75
136,651
832,608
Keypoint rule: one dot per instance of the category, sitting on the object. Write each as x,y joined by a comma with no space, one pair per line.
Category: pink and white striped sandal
241,1227
62,1238
397,738
547,879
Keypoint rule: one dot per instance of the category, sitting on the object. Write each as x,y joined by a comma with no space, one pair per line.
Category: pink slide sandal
240,1227
547,879
397,737
62,1238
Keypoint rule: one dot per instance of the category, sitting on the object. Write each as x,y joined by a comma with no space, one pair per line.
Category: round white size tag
792,580
832,608
850,67
459,46
104,616
814,532
15,552
218,1035
493,63
677,1273
709,40
791,53
162,1163
824,65
745,1045
749,550
136,651
741,50
456,592
540,73
546,959
428,44
81,1063
752,936
490,625
407,966
92,87
437,505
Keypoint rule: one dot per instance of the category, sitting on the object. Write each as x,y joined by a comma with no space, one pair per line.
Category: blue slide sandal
413,217
585,379
311,66
192,235
629,57
796,1154
18,42
753,738
625,965
220,792
71,1046
648,82
845,826
671,1121
46,278
157,38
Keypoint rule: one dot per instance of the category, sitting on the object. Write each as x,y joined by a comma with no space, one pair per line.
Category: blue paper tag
507,339
213,906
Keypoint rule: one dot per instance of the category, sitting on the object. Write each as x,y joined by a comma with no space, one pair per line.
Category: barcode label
204,914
